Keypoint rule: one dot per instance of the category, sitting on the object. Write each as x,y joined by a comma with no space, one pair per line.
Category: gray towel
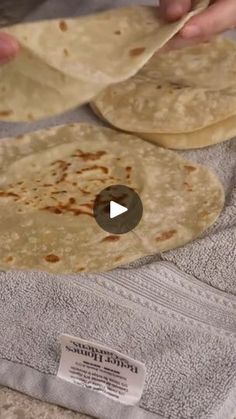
170,311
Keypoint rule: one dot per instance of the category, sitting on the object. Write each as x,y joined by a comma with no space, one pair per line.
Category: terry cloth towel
175,312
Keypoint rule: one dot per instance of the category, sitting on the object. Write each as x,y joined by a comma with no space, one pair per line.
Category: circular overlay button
118,209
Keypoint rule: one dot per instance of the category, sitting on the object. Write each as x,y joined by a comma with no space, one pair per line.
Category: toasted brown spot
166,235
6,113
95,167
54,210
65,208
88,205
117,32
58,192
89,156
19,137
30,116
52,258
159,86
204,214
111,239
66,52
63,26
9,259
190,168
136,51
83,191
63,177
72,201
128,170
80,212
188,187
7,194
81,269
118,258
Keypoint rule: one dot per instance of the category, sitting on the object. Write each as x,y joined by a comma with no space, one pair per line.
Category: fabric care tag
99,368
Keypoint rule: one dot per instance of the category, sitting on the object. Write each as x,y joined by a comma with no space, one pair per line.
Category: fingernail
191,31
8,48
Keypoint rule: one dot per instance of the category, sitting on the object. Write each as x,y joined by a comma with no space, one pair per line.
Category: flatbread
49,181
65,63
214,134
190,91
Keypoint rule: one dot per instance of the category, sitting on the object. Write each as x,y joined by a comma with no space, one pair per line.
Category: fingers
8,48
219,17
178,43
174,9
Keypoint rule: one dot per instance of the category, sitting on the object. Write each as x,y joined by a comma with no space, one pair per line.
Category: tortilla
180,99
49,181
65,63
214,134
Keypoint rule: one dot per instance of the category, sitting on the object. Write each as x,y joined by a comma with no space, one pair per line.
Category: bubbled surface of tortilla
48,184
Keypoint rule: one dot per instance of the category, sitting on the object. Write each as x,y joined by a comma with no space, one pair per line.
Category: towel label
101,369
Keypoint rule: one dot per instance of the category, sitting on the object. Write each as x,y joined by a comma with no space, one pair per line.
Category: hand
219,17
8,48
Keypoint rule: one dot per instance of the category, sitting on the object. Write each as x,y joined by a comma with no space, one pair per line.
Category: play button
118,209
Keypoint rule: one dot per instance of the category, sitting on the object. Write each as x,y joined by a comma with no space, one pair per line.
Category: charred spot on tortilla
6,113
89,156
188,187
119,258
111,239
190,169
63,26
166,235
137,51
82,269
9,259
52,258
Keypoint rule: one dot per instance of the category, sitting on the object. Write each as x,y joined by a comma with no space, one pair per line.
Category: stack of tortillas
180,99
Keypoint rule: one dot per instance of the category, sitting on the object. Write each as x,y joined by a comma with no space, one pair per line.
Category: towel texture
176,312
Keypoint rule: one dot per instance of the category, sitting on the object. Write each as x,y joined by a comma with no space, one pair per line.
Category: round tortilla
49,181
175,94
65,63
214,134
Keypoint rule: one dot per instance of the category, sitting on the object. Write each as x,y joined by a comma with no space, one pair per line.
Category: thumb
174,9
8,47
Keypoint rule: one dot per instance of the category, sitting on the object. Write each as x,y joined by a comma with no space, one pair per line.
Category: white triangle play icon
116,209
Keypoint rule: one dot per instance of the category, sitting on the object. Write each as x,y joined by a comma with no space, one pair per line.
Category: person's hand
8,48
218,17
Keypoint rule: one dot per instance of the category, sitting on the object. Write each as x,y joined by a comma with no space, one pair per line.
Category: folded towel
155,311
181,329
